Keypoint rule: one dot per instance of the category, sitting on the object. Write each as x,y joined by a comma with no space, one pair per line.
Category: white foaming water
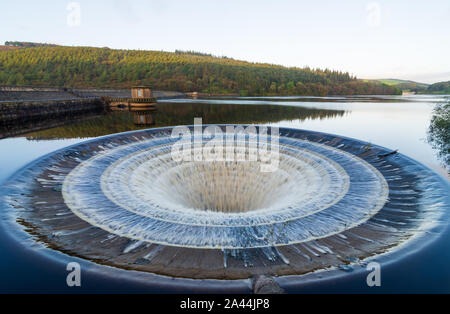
138,191
221,186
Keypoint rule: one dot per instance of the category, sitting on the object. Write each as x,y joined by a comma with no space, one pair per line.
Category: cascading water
124,201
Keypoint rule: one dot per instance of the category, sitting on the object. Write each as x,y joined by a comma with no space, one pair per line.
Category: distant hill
405,85
50,65
439,88
419,88
24,44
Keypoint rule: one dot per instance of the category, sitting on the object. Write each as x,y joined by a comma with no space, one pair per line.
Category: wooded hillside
179,71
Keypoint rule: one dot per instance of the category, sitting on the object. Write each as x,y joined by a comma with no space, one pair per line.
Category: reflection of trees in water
439,132
35,124
184,114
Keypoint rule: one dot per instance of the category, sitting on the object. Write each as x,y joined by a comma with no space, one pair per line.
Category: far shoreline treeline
84,67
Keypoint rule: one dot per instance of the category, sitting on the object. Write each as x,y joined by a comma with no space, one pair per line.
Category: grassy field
395,82
404,85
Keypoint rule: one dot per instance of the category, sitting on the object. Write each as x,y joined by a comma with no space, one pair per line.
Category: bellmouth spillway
123,201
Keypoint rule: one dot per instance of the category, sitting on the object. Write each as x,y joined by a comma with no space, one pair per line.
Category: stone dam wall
8,94
28,103
16,112
28,116
26,109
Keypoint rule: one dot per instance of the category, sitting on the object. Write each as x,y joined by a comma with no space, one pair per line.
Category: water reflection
439,133
170,114
23,126
400,123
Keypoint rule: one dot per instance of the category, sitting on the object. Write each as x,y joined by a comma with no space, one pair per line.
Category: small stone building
142,104
141,92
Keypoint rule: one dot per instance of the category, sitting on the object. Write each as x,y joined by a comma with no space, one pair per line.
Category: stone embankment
31,110
21,104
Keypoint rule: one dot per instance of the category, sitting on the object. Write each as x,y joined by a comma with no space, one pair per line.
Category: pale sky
370,39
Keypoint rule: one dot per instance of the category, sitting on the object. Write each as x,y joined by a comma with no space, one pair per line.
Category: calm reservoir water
399,123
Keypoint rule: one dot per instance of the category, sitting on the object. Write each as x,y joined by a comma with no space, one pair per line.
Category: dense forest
44,65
